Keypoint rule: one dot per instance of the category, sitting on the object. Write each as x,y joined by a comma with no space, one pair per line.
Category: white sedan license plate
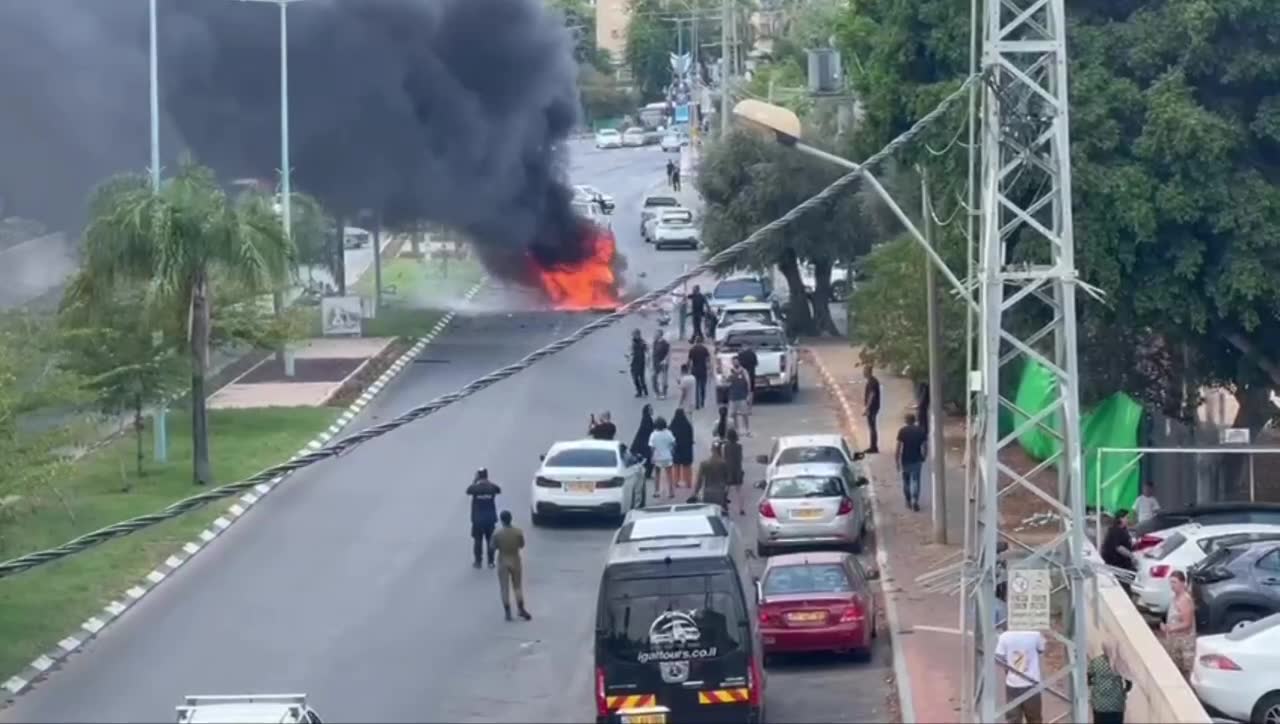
806,514
580,487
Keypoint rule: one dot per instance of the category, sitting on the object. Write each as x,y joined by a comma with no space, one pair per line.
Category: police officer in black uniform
484,515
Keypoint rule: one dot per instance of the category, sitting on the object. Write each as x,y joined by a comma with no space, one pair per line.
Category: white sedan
608,138
1182,548
634,137
598,477
1236,672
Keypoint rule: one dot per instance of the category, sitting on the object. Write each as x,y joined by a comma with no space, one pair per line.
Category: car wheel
1238,618
1267,710
795,383
839,290
762,550
856,546
538,519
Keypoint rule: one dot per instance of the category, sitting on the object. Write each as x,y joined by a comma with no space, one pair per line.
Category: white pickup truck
247,709
737,313
777,360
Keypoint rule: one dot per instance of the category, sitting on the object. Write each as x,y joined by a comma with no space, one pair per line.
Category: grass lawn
40,606
416,293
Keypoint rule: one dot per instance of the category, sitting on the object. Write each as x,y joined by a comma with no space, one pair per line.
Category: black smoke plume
440,110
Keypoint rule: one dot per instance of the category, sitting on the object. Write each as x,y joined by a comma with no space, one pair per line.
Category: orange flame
588,284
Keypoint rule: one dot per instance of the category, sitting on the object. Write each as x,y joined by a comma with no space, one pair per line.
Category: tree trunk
199,335
339,270
137,429
799,320
822,298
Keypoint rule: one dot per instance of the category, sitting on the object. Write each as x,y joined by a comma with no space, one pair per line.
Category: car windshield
1249,630
582,458
768,339
660,201
1167,546
739,289
1210,545
1220,556
608,132
677,217
634,131
759,316
672,618
807,578
806,487
810,454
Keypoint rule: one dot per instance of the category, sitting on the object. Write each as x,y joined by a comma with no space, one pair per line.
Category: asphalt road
352,582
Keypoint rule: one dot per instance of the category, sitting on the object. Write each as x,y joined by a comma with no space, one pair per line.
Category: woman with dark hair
640,443
732,451
682,456
722,426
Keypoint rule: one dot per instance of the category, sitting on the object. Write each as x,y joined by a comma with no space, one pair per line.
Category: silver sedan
811,505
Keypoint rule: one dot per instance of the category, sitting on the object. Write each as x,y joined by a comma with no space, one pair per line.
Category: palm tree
177,242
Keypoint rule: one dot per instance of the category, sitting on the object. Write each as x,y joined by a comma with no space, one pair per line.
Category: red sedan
817,601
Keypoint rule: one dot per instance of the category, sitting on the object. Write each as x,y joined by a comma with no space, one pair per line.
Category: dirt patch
354,387
309,369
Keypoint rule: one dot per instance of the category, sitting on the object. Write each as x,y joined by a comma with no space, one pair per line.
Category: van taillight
602,704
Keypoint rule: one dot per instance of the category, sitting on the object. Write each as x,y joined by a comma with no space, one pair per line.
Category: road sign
1029,598
682,113
680,64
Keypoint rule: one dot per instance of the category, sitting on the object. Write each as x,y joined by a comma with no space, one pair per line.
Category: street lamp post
160,423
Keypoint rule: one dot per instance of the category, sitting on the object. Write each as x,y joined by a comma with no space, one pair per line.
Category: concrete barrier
1159,694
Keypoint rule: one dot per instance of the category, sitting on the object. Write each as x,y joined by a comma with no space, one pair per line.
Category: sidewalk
926,621
321,368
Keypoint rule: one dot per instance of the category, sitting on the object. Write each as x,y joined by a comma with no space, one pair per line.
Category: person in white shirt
687,384
1021,651
662,445
1146,505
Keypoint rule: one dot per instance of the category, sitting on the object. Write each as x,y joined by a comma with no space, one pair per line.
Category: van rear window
674,618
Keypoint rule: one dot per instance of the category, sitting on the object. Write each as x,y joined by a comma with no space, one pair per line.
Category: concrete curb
116,608
906,705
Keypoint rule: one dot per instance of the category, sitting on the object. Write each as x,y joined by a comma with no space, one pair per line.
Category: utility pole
1026,129
286,187
937,438
726,22
377,262
160,423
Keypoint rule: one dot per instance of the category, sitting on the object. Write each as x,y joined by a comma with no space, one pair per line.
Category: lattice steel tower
1027,294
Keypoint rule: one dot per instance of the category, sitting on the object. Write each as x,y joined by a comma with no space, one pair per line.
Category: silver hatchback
817,505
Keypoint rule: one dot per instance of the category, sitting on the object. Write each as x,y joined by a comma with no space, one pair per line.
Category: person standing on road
739,393
1179,627
687,385
671,172
747,358
722,427
1146,506
484,515
699,362
697,310
675,178
871,407
640,443
713,480
910,456
663,445
1021,652
510,542
637,354
661,354
1108,690
733,458
712,322
602,428
682,455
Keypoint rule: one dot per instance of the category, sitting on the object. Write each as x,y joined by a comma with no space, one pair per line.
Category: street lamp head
768,118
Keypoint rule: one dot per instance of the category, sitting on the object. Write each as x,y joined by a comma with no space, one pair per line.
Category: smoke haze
441,110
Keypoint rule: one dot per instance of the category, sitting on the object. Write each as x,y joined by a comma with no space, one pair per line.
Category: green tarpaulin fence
1112,423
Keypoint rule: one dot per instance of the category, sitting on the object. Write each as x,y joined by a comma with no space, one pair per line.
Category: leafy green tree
36,392
580,18
651,39
746,182
113,346
312,229
602,97
177,243
1175,160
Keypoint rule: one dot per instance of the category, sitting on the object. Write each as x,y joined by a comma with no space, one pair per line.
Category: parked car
755,312
1151,532
597,477
1236,585
1186,546
675,228
740,288
608,138
650,208
1238,673
777,359
355,238
671,142
803,449
818,601
650,224
842,281
812,504
633,137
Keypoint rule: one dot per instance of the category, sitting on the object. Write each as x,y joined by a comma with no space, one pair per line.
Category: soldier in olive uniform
509,541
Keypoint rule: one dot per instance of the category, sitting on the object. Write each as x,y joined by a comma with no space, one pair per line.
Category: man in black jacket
638,354
484,515
697,309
